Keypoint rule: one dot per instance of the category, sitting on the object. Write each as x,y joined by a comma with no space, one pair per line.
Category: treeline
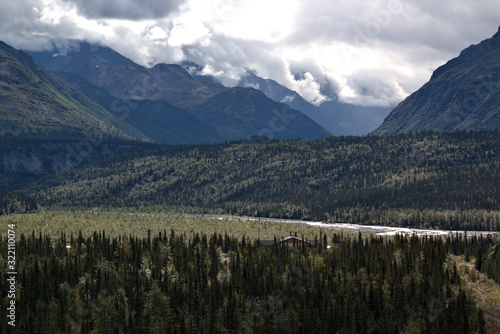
452,180
170,283
25,160
17,203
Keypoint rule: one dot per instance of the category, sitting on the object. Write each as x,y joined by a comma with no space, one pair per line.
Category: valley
155,199
95,260
428,180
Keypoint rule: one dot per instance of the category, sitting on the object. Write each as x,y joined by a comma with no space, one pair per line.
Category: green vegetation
429,180
23,161
171,282
485,291
117,224
16,203
110,235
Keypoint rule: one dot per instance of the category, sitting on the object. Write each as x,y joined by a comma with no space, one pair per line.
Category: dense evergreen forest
17,203
197,283
23,161
429,180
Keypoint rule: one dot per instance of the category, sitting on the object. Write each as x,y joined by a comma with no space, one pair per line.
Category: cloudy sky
369,52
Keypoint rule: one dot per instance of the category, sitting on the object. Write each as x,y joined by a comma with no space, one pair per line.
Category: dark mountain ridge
123,79
246,111
336,117
35,103
463,94
160,120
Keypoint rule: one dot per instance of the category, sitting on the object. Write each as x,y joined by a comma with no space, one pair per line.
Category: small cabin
290,241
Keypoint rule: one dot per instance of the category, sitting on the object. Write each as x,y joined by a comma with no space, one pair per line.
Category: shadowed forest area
198,283
426,180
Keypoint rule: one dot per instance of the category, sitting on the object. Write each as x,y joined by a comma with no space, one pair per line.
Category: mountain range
87,129
463,94
338,118
169,105
92,88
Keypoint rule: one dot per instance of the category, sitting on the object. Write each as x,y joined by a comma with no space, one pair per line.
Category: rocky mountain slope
35,103
463,94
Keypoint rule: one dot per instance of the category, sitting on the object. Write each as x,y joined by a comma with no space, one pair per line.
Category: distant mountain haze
338,118
226,113
240,111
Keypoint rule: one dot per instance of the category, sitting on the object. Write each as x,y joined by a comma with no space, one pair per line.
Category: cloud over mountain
369,52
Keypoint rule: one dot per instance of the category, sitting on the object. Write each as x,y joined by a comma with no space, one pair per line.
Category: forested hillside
171,283
425,180
23,161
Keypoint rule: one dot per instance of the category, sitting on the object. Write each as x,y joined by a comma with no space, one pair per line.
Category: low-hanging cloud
126,9
363,52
